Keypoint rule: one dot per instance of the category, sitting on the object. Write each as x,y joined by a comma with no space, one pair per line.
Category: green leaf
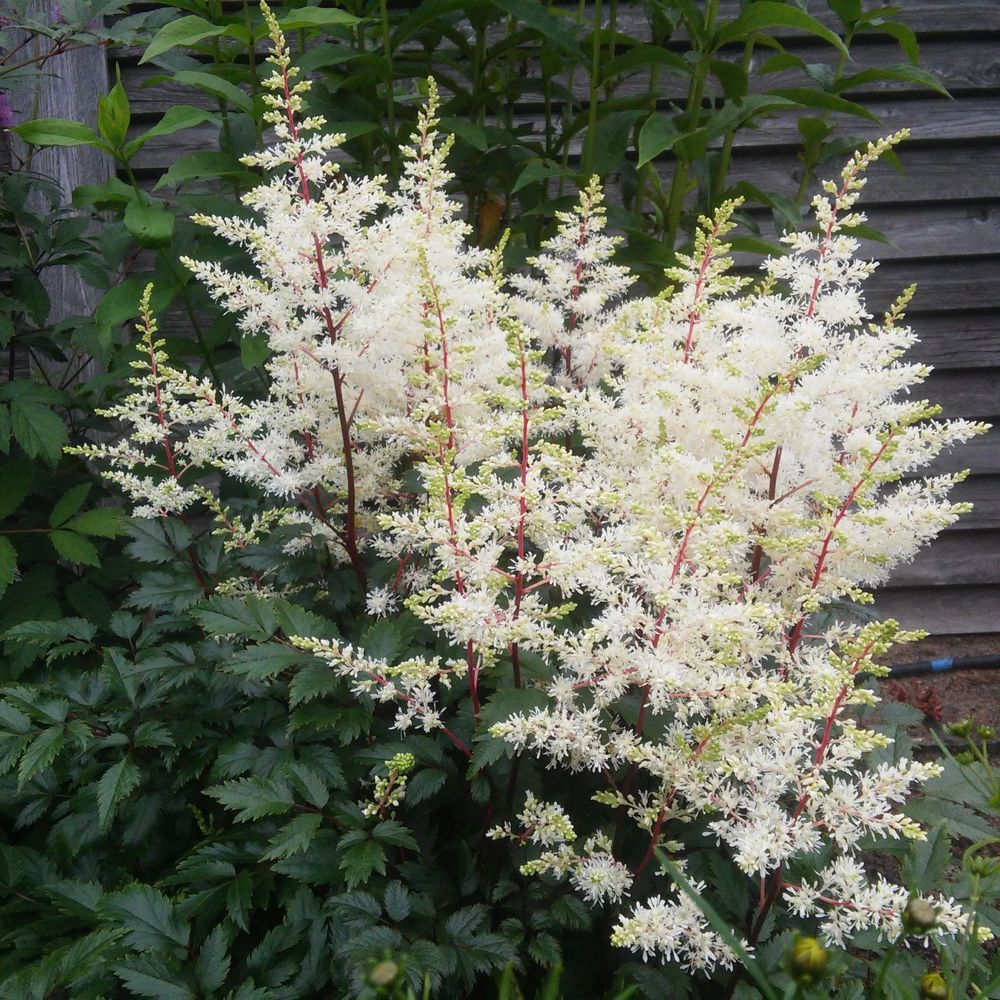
927,860
183,31
76,548
58,132
179,117
163,589
253,797
611,140
150,976
149,918
393,832
38,430
104,522
151,224
316,17
68,504
535,171
217,87
809,98
656,136
765,15
361,858
467,131
238,900
8,564
263,660
397,901
212,965
117,783
293,837
198,166
40,753
251,617
114,115
537,16
902,72
313,681
17,476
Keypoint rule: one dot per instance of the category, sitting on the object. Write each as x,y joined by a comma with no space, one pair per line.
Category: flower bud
933,987
964,758
808,960
919,916
383,973
986,732
984,867
960,730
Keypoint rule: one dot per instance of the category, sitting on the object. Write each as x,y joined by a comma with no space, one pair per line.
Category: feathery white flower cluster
652,496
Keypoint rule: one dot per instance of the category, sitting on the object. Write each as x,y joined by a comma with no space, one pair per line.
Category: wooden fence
942,217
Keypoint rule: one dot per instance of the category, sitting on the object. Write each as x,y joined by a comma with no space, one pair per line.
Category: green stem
696,93
595,71
725,157
390,93
568,112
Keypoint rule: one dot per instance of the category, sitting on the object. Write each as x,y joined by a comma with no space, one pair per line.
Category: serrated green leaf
76,548
393,832
178,118
238,900
104,522
38,430
397,901
68,504
360,860
293,837
253,797
310,682
251,617
116,784
40,753
149,918
164,589
149,976
212,964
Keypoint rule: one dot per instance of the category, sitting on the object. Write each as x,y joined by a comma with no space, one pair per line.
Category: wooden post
68,87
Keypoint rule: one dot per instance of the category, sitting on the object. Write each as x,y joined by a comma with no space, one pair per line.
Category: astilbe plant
630,508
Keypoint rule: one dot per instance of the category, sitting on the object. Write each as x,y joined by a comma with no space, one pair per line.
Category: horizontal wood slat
943,610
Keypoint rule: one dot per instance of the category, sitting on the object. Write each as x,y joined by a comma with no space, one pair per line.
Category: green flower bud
933,987
808,960
965,758
960,730
401,763
383,973
919,916
986,732
984,867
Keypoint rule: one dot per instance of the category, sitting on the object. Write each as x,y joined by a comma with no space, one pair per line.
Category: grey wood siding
942,217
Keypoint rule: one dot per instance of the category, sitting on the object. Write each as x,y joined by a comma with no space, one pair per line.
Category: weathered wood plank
940,173
943,610
956,558
958,340
981,454
972,393
962,284
983,492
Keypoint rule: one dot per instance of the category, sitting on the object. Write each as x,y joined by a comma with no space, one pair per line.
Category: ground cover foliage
197,805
